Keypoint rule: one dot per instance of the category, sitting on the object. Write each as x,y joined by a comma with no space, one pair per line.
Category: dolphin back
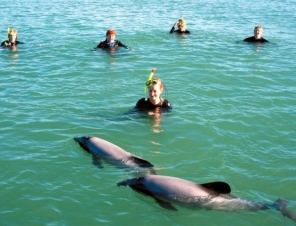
102,149
176,186
166,190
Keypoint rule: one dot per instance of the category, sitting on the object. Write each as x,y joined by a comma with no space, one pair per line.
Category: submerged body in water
169,191
102,149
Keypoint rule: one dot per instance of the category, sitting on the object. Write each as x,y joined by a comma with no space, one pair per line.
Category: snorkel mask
151,82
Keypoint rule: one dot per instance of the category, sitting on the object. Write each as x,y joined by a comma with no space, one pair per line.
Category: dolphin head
82,141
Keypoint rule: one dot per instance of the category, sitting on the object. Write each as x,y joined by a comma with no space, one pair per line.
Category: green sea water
233,116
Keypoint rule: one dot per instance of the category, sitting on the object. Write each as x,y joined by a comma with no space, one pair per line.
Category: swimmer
12,38
155,88
181,24
110,41
258,32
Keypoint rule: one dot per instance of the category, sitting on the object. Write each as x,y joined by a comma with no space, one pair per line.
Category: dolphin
102,149
168,190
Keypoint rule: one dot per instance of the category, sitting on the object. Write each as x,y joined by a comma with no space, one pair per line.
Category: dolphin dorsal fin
141,162
219,187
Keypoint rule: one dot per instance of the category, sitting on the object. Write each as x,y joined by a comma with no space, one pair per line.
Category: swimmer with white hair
258,32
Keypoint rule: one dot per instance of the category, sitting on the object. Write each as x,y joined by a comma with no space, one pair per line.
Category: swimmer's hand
127,47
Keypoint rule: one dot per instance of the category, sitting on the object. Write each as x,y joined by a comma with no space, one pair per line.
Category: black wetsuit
144,103
105,44
178,31
11,44
252,39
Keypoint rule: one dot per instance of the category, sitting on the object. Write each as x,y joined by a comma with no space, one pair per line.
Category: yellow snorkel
149,79
11,32
8,30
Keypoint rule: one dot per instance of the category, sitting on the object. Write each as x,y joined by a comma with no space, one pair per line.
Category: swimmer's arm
5,43
124,46
141,103
101,44
173,28
265,40
246,39
166,104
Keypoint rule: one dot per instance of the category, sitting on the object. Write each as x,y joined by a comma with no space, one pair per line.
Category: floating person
110,42
170,192
258,32
181,24
12,36
155,88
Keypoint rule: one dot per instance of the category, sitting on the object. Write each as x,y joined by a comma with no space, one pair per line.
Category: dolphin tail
280,205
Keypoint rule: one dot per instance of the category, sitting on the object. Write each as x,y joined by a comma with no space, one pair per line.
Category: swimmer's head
155,82
258,32
111,32
155,89
181,23
12,35
110,35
